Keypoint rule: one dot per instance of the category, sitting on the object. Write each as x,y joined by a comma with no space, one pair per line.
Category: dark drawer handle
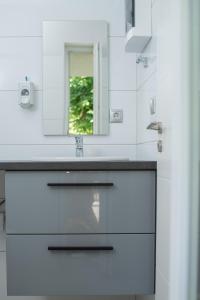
83,184
80,248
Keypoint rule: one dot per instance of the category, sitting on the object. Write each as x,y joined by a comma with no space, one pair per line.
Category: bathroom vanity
80,228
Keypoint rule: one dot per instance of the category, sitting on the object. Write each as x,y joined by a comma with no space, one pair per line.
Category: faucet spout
79,145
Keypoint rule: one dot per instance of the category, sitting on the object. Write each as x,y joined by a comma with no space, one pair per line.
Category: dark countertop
77,166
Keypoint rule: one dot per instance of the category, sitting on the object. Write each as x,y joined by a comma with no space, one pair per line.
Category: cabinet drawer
80,202
128,268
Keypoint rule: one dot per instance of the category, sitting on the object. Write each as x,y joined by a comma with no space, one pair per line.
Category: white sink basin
84,158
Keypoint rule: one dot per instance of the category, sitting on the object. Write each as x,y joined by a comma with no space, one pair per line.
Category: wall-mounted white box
138,36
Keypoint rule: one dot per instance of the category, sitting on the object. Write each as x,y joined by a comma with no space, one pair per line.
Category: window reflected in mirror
81,89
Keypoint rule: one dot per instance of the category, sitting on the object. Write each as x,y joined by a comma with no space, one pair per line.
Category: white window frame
86,48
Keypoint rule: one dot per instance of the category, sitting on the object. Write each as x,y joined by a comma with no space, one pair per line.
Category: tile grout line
146,80
68,144
148,142
41,36
40,90
163,276
136,113
164,178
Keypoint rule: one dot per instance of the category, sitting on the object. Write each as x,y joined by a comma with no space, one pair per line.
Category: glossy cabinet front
35,270
80,233
120,202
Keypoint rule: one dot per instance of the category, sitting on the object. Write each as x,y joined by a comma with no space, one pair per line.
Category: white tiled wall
144,94
162,79
24,127
21,55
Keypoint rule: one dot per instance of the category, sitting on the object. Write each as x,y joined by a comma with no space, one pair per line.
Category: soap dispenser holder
25,93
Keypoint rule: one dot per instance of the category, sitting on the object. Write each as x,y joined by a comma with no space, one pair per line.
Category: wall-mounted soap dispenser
25,93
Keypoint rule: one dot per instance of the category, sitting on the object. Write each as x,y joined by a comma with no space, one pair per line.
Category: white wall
20,55
163,78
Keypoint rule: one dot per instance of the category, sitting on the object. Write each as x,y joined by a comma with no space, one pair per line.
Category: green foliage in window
81,105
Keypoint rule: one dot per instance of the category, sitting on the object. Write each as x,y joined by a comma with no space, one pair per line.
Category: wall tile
143,73
150,52
28,152
24,126
167,115
163,226
144,117
120,133
17,125
20,57
124,151
166,35
147,151
162,287
24,18
161,69
165,85
122,66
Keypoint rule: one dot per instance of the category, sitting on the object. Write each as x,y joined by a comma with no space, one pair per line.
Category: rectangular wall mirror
75,78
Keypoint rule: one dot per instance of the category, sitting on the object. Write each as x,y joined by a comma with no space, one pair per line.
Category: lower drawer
95,265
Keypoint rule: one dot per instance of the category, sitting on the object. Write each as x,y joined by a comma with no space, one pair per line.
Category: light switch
116,116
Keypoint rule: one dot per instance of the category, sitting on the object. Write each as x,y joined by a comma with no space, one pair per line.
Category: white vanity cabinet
81,232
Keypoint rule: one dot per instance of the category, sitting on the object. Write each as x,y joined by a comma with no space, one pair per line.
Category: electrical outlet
116,116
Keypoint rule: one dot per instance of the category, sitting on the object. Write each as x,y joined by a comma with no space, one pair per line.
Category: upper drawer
96,202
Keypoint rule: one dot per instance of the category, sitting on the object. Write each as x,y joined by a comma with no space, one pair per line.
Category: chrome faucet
79,145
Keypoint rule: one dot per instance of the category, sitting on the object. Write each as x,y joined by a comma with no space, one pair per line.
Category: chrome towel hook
156,126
